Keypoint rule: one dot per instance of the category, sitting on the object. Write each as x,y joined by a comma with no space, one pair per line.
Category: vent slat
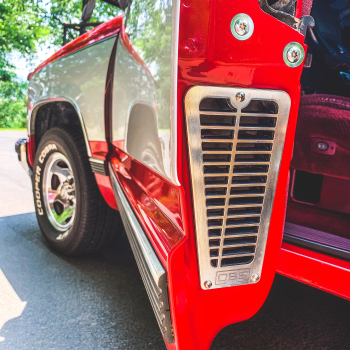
243,221
261,106
255,135
215,120
244,215
216,104
252,158
238,250
264,115
261,142
256,128
244,212
217,127
241,260
248,179
251,163
238,231
240,245
242,235
222,113
217,140
235,185
241,225
248,195
246,200
218,175
227,255
252,152
251,173
257,122
217,163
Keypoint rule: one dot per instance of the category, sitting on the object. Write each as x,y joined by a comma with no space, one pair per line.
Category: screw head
241,26
293,54
255,277
208,284
240,96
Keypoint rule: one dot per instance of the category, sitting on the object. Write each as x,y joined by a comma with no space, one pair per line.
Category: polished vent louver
235,152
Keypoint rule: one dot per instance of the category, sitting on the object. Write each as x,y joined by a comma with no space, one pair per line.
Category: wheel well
142,117
142,134
54,114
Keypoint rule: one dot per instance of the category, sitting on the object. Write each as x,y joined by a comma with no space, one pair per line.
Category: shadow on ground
99,302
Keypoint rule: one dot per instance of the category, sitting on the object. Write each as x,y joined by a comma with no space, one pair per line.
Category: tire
72,214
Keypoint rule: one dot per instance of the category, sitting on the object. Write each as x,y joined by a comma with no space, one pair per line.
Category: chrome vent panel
235,152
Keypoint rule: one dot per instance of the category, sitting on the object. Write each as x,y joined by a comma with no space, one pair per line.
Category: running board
319,241
152,271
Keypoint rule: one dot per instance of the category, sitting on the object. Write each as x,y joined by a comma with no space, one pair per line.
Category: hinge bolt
293,54
255,277
241,26
240,96
208,284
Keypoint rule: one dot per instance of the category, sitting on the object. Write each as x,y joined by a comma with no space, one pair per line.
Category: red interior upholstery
325,117
306,9
322,220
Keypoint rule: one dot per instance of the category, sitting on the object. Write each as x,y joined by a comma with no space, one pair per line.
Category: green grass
14,129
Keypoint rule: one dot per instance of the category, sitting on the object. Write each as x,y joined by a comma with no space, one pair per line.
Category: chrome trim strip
98,166
98,161
32,116
173,92
152,271
318,247
238,272
21,150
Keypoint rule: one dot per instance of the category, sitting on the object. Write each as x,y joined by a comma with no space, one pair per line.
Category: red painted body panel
299,8
104,184
210,55
92,36
31,150
99,150
315,269
155,201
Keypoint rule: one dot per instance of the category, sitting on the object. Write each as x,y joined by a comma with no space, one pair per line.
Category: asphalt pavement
99,301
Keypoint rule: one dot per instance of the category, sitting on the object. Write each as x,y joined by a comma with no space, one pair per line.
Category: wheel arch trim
32,113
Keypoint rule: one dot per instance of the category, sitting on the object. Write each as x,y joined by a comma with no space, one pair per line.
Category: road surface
99,301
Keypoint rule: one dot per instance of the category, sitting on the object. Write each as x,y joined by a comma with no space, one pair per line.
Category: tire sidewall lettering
45,151
38,174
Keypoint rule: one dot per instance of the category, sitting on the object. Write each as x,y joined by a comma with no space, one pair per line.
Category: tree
25,24
20,29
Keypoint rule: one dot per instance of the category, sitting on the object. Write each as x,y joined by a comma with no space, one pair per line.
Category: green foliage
150,25
13,104
21,28
69,11
23,25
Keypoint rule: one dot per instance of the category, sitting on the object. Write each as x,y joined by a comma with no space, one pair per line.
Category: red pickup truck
177,122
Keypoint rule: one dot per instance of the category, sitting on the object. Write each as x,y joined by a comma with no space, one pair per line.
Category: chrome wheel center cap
59,192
